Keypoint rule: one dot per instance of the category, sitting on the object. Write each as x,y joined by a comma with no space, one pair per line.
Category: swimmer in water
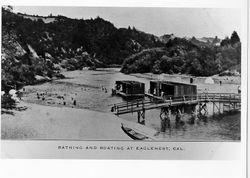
178,120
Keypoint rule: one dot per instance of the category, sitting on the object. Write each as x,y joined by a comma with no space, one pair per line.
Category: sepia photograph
149,74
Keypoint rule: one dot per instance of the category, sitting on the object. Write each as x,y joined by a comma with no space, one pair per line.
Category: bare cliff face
18,64
22,65
11,49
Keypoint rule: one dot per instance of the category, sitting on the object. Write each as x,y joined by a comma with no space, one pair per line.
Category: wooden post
143,116
205,108
132,107
219,104
116,108
213,108
200,104
139,116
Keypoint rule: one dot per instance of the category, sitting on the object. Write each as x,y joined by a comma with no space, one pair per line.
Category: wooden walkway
153,102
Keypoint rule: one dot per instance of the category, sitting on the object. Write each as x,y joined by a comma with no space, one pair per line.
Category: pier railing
154,102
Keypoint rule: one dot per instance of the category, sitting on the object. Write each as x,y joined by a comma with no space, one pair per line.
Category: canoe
133,134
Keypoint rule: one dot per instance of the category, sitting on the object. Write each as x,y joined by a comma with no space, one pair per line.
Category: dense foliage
188,57
65,37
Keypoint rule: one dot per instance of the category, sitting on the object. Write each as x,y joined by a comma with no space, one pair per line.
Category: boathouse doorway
167,89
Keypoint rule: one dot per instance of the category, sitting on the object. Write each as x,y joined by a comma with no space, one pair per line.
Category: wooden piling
213,108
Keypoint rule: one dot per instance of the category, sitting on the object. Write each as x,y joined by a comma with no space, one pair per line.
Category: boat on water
133,134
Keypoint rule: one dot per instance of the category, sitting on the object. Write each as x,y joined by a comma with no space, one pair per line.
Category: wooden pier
228,99
172,98
221,102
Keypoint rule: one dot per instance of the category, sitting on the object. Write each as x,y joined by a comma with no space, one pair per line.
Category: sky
198,22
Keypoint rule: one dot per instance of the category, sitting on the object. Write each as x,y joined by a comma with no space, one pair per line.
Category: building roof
130,82
172,83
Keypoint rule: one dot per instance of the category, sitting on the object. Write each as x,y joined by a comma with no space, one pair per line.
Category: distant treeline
188,57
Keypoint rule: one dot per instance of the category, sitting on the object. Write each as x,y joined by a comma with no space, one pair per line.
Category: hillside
65,37
34,45
192,56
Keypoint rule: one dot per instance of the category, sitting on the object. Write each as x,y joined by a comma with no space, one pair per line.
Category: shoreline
87,93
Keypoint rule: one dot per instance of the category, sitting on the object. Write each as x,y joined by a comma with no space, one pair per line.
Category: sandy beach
45,122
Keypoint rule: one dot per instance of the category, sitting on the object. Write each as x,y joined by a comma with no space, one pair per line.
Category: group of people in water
166,115
43,95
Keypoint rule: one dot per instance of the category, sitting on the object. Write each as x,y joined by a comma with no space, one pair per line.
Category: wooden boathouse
167,89
129,89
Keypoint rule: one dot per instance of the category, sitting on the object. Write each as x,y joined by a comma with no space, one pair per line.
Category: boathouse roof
130,82
171,82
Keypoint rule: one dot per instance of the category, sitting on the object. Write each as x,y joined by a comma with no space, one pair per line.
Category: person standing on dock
162,94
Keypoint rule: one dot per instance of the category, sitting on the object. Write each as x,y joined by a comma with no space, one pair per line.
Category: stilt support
141,117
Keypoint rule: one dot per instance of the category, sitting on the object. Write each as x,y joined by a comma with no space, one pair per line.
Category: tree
234,38
225,42
8,8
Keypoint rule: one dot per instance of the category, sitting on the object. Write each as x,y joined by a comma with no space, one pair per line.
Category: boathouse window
153,88
130,87
168,89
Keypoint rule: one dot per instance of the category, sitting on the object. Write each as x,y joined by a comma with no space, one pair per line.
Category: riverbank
91,91
46,122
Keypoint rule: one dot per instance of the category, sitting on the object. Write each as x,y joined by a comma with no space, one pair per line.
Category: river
87,88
